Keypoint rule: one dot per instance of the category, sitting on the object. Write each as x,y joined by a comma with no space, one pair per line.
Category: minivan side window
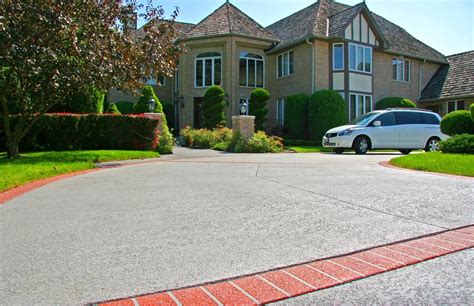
387,119
409,118
430,119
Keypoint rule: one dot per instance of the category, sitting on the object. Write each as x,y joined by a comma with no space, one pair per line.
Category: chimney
132,21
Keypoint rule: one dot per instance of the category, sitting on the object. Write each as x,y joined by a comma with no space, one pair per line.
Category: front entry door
197,118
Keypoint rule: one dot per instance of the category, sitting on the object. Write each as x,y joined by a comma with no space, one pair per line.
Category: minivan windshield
364,119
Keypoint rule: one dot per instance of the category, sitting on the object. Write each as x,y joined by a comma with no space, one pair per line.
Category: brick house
325,45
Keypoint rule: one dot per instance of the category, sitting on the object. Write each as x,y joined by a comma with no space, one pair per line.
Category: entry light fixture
151,105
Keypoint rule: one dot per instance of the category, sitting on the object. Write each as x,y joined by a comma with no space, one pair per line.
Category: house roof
181,28
453,80
228,19
313,21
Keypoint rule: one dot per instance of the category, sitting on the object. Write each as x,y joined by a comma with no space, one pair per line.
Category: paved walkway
201,216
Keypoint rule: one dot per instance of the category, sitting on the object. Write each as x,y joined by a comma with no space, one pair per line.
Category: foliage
259,143
204,138
213,108
91,101
472,111
459,164
458,122
53,49
35,166
463,143
113,109
392,102
258,107
142,107
326,109
168,109
299,142
125,107
296,116
166,141
221,146
309,149
61,132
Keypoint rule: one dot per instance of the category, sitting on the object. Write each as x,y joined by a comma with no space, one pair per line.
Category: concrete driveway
200,216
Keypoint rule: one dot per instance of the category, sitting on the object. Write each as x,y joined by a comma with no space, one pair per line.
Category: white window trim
203,59
358,95
334,58
247,70
281,120
278,64
455,105
363,58
403,69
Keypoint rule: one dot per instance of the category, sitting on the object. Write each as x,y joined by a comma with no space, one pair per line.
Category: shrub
258,107
125,107
168,109
221,146
89,101
326,109
204,138
259,143
391,102
60,132
458,122
472,112
112,109
295,116
463,143
213,107
141,106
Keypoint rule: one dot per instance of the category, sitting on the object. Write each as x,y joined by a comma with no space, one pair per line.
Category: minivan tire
432,145
405,152
338,151
361,145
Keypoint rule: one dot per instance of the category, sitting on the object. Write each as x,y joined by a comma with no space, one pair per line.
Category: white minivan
401,129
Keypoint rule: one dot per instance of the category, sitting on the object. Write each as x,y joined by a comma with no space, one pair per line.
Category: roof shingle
453,80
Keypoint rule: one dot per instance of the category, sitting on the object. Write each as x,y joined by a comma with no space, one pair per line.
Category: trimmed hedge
391,102
258,107
295,116
125,107
62,132
90,101
463,143
326,109
213,108
112,109
472,112
458,122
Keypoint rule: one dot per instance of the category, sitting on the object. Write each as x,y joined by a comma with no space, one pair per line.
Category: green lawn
309,149
460,164
34,166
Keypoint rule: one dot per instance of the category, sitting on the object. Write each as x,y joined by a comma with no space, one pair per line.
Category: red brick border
291,281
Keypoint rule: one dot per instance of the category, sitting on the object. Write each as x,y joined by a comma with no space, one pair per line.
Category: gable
361,31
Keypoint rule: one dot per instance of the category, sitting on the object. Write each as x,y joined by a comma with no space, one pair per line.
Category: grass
459,164
35,166
309,149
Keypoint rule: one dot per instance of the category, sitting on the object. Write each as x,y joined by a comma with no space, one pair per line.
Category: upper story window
285,64
401,70
208,69
251,70
338,57
360,58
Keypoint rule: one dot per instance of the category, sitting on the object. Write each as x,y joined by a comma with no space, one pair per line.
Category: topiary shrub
168,109
141,106
463,143
472,112
326,109
458,122
112,109
391,102
296,110
125,107
258,107
89,101
213,107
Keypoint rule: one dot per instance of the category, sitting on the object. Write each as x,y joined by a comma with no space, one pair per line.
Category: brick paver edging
291,281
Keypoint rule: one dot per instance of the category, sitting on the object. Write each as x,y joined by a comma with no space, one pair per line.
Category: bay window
360,58
252,70
208,69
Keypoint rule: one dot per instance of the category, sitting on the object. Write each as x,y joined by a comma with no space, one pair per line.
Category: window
338,57
359,105
430,119
251,70
387,119
360,58
455,106
281,111
285,64
409,118
208,70
401,70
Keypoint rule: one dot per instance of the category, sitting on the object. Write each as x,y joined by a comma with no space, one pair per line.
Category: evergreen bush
258,107
213,107
326,109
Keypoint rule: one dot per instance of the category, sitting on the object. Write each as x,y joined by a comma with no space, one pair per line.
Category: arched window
252,70
208,69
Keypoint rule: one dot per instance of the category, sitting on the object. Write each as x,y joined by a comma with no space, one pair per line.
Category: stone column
245,125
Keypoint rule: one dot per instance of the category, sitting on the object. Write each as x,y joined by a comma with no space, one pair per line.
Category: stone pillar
157,116
245,125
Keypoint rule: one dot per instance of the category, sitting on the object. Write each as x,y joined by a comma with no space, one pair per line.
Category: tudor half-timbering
325,45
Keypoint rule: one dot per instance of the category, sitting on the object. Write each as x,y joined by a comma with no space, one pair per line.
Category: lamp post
151,105
243,107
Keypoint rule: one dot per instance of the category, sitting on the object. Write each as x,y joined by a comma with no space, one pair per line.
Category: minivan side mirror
377,123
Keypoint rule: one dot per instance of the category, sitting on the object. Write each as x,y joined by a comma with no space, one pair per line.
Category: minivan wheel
405,152
432,145
338,151
361,145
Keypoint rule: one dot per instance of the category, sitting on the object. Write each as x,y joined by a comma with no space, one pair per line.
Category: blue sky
446,25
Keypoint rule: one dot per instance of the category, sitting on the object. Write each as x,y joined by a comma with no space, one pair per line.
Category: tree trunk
12,143
12,149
